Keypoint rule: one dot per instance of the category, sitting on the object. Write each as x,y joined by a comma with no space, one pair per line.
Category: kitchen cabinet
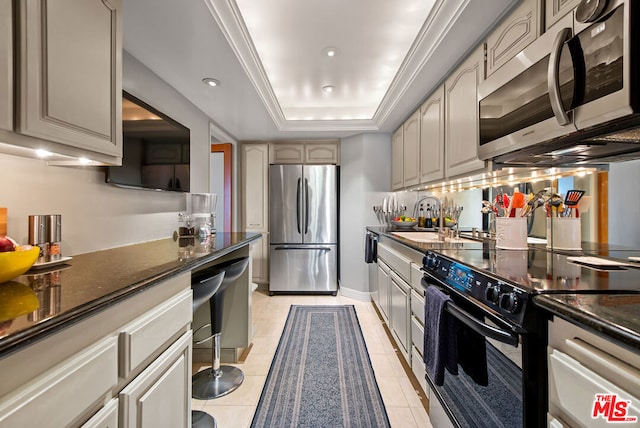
323,154
400,298
255,204
556,9
411,150
432,137
317,152
69,65
161,394
397,159
112,350
461,117
394,293
516,32
6,64
383,289
259,252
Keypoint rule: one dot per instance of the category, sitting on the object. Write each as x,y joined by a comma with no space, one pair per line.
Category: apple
6,244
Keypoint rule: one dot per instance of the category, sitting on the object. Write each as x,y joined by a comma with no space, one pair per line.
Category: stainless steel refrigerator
303,220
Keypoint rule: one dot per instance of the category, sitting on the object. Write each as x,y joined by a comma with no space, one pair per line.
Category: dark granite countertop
90,282
604,301
614,316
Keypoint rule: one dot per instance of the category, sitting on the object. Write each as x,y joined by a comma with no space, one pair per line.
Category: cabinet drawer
63,394
417,334
417,367
107,417
416,278
161,395
396,261
417,305
152,331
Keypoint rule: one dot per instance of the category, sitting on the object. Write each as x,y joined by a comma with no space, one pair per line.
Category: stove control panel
500,296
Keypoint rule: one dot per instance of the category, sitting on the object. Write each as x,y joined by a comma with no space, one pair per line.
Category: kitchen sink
427,237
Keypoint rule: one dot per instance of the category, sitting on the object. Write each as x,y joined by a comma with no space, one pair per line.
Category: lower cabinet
383,289
126,366
259,252
400,294
160,395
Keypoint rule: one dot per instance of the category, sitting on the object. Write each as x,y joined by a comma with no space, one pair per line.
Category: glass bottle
429,221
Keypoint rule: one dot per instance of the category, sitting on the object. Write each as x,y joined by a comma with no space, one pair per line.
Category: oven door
508,397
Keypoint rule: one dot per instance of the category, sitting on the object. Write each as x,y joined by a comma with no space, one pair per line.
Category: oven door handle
481,328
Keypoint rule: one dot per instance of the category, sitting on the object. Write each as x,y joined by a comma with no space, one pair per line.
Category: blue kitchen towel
440,336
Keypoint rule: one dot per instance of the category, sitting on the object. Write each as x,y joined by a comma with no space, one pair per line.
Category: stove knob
510,302
492,294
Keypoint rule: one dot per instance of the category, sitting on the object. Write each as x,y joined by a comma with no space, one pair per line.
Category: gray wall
96,215
365,177
624,204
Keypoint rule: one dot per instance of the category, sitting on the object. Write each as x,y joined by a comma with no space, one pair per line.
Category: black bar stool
204,285
219,380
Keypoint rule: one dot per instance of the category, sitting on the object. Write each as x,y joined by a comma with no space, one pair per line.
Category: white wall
365,178
624,204
96,215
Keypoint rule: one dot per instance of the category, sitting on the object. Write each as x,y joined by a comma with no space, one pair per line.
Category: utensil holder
511,233
564,233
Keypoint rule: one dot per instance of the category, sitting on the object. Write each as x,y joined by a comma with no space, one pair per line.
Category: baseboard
363,296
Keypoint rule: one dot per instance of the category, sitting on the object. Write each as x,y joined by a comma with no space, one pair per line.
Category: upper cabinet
432,137
255,186
461,116
397,160
556,9
67,58
71,73
326,153
411,149
517,31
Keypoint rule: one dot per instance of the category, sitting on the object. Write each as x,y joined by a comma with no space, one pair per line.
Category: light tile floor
269,313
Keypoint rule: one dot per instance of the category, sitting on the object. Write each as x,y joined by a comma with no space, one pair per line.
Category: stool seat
220,380
204,285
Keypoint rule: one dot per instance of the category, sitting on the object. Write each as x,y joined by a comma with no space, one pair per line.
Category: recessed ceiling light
211,82
328,88
330,51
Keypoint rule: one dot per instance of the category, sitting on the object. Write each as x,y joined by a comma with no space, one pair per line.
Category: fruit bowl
15,263
404,224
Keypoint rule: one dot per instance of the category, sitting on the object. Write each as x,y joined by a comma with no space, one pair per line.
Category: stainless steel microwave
556,101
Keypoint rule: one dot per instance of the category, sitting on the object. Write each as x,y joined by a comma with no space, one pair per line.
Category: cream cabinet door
397,160
286,153
325,154
556,9
461,117
71,73
160,396
6,65
515,33
255,186
259,252
432,137
411,150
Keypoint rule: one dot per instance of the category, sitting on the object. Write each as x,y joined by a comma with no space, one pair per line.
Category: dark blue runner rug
321,375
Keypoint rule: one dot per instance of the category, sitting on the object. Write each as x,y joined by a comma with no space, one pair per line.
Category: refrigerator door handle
298,203
305,248
306,206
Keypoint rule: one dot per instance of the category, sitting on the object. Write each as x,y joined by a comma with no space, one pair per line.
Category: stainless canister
39,235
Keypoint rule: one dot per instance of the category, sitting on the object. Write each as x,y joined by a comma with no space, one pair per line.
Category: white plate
51,263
